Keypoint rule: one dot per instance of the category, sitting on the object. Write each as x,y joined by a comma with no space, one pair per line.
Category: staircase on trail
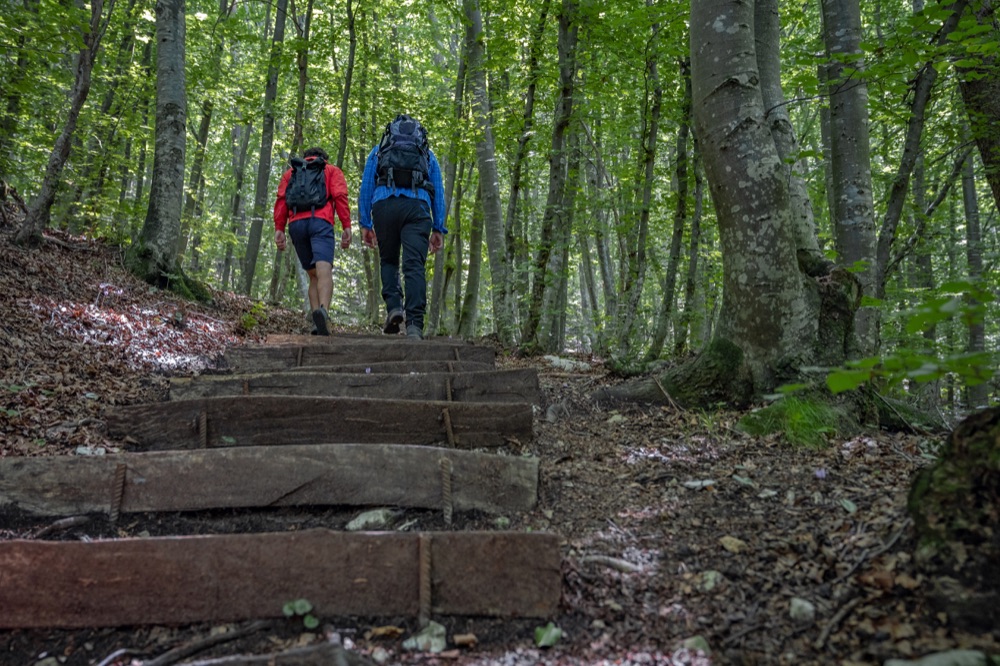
299,421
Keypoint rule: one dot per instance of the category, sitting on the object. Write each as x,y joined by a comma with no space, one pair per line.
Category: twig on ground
835,621
866,554
60,525
117,654
729,640
665,394
183,651
615,563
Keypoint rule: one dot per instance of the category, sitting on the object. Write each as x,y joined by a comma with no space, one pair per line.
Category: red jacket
336,188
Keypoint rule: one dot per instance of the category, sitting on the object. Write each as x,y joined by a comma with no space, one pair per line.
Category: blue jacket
369,193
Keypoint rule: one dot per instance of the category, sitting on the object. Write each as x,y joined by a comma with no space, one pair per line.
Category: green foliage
256,315
804,422
963,301
548,635
301,608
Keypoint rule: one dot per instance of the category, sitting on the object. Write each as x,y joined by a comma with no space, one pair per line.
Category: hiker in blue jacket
402,208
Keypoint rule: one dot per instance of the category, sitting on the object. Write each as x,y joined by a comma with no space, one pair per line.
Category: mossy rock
955,505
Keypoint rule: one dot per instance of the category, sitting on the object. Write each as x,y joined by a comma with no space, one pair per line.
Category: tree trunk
981,92
680,218
922,87
348,76
975,396
634,271
568,36
765,310
240,144
489,179
39,210
852,207
195,177
470,306
691,281
266,146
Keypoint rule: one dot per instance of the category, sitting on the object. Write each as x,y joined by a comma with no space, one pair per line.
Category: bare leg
324,284
313,288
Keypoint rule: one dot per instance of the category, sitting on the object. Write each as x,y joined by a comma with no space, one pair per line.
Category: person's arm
365,193
440,206
281,212
336,185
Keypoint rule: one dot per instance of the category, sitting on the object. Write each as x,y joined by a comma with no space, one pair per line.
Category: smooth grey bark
588,289
680,219
40,208
266,146
922,88
140,168
567,40
765,311
489,179
155,257
980,87
975,396
852,205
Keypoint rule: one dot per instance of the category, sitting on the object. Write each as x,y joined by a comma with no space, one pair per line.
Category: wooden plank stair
296,429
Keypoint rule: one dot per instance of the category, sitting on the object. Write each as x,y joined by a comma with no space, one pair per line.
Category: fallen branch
183,651
844,611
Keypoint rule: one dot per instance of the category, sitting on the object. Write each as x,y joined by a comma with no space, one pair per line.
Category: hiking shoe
414,333
393,321
320,318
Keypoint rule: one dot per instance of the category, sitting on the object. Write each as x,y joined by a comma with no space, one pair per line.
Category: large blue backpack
403,158
307,185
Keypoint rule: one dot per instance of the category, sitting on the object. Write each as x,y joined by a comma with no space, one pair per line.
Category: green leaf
846,380
849,506
226,439
310,622
548,635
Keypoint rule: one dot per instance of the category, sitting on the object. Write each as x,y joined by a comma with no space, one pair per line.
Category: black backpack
403,158
307,185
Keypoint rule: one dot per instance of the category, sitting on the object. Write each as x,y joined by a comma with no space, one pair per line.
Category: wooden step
322,475
348,338
397,367
496,386
275,420
280,357
175,580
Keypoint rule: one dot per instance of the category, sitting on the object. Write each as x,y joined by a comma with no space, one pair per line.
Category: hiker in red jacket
309,193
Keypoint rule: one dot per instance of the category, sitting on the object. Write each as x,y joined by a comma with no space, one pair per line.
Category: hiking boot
393,321
414,332
320,317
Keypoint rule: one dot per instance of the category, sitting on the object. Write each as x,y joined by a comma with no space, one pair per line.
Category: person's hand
368,237
436,242
345,239
279,240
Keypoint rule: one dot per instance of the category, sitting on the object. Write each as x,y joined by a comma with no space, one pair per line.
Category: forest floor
675,524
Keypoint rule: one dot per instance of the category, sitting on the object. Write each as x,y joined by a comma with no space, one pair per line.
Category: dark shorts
313,240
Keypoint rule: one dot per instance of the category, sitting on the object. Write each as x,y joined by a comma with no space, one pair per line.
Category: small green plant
256,315
548,635
301,608
803,421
